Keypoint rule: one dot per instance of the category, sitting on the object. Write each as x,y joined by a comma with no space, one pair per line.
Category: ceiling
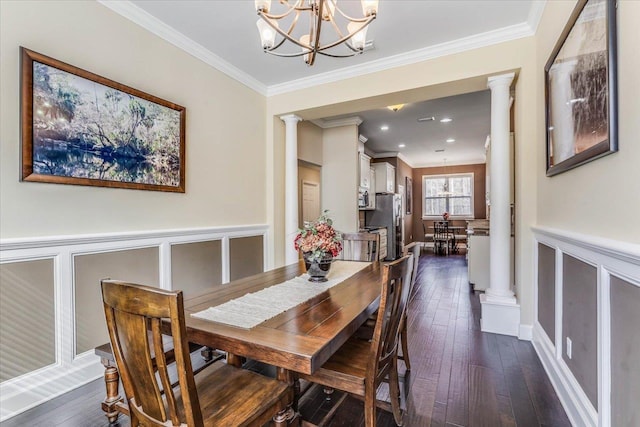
426,141
223,33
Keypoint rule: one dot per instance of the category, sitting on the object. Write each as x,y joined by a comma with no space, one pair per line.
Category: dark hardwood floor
460,376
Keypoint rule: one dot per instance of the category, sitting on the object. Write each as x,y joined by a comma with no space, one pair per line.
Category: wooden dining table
300,339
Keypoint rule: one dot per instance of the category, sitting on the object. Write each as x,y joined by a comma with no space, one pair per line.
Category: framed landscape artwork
581,88
81,128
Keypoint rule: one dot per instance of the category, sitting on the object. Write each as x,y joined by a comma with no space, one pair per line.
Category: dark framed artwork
581,88
84,129
409,189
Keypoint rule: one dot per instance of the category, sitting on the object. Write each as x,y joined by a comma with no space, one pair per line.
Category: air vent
440,151
426,119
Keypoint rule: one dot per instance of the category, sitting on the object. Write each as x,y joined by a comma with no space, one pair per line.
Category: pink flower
318,239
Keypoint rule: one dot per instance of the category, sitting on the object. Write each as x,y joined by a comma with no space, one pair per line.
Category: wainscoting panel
196,266
54,282
597,291
547,290
27,317
131,265
625,352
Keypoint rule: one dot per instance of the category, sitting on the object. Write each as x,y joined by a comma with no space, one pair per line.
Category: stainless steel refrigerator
388,214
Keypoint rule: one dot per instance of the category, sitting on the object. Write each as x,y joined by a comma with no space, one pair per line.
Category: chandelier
318,12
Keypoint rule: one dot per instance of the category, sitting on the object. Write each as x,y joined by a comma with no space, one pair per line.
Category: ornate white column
291,186
500,311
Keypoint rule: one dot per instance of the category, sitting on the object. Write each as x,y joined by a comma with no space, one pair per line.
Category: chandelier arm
315,35
345,38
288,55
336,28
296,7
284,34
352,19
334,55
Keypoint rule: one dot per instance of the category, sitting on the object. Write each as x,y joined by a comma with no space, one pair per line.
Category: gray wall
580,323
625,353
547,290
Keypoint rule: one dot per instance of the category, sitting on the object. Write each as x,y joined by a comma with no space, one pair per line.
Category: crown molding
535,14
473,161
326,124
152,24
392,154
475,41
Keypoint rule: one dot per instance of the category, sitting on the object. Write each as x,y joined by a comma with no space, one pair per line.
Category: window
448,193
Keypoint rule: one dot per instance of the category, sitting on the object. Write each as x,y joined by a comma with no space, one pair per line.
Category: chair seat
229,395
346,369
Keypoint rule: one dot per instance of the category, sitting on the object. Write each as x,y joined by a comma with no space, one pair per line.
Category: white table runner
252,309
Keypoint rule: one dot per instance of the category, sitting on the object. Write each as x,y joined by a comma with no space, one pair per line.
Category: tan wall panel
246,256
27,320
135,265
196,267
625,353
311,173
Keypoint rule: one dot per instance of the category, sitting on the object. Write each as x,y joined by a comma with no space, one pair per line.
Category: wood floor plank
483,401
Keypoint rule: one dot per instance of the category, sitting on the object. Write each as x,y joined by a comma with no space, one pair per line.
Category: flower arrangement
445,216
318,239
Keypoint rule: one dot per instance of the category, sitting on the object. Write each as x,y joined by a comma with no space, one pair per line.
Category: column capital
290,118
500,80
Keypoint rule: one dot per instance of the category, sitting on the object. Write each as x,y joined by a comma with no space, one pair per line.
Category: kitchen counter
478,227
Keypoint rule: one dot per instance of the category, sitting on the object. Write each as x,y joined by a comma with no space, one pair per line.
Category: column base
500,316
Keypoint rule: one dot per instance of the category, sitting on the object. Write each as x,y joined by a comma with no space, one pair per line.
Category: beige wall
310,143
339,192
225,128
582,199
311,173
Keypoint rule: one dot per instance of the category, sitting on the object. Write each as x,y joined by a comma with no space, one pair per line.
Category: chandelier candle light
318,11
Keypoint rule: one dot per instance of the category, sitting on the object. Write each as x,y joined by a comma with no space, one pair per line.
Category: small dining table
300,339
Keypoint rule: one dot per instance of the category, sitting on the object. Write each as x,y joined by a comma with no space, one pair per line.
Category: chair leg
405,346
370,407
394,393
109,404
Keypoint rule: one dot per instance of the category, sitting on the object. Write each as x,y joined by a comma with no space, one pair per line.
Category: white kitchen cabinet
385,177
365,171
372,192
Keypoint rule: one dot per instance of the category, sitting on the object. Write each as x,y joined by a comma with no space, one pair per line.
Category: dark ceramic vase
318,270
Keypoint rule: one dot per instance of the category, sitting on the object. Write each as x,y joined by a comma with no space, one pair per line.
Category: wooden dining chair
221,395
441,236
359,366
360,247
404,339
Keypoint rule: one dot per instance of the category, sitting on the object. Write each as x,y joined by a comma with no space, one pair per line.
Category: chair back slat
134,314
441,230
396,284
360,247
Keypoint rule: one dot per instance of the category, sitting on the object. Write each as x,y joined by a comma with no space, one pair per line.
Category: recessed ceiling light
396,107
451,140
446,120
384,127
401,145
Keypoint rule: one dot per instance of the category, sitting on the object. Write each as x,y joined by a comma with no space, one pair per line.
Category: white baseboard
38,387
499,318
526,332
575,402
